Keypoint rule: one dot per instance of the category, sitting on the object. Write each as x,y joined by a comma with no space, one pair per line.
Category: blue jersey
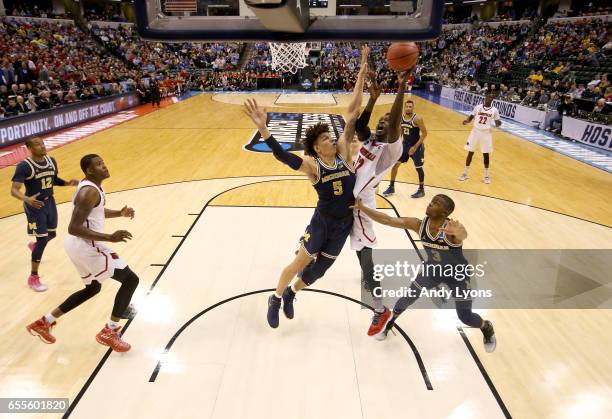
439,249
334,187
410,130
38,177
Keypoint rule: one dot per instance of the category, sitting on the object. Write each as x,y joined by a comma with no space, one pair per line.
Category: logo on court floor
289,128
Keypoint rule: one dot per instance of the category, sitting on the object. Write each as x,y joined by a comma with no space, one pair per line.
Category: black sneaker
129,313
274,304
389,191
420,193
488,336
288,297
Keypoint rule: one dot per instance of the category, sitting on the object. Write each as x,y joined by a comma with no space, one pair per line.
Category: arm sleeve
22,172
282,155
361,126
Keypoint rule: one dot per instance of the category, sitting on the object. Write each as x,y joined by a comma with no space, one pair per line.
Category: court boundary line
105,357
466,341
300,177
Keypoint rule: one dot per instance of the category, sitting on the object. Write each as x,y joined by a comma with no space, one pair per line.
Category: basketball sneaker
389,191
486,180
42,329
488,336
31,246
35,284
463,177
129,313
420,193
379,321
288,297
383,335
112,338
274,304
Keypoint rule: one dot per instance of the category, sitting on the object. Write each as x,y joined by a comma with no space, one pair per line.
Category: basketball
402,56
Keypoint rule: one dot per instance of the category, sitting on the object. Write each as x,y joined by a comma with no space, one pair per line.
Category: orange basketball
402,56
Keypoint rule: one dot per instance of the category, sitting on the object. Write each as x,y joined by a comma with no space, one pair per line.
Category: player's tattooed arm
87,198
455,231
30,200
395,116
406,223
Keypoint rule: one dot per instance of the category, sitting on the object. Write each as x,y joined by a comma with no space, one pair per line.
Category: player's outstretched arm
409,223
259,117
87,198
374,89
395,116
355,103
123,212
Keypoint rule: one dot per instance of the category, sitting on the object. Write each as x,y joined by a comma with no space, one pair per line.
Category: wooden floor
171,163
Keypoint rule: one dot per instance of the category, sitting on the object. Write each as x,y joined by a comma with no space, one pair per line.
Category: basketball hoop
288,57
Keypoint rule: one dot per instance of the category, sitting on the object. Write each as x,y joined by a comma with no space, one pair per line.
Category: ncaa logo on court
289,128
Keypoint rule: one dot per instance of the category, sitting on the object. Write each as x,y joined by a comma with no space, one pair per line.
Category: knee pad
316,270
39,248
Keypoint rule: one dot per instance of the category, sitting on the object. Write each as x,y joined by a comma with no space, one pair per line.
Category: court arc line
172,340
300,177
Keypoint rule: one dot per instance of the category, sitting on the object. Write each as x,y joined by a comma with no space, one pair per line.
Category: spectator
567,108
11,109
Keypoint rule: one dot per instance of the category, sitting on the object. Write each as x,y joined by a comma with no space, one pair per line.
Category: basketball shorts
92,260
42,220
482,138
418,158
326,235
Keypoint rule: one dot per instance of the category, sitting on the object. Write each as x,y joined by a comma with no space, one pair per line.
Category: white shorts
93,260
362,232
482,137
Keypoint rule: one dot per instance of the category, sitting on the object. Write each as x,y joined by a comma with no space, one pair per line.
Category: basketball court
217,220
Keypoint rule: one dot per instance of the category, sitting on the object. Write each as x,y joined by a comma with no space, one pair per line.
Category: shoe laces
376,317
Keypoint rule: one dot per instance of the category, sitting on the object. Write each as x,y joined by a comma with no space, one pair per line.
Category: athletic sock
486,172
292,288
465,171
50,318
278,297
112,324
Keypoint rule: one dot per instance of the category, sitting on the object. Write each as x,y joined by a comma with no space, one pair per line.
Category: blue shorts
43,220
418,158
326,235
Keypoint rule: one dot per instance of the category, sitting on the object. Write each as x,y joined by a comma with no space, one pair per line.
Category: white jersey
484,117
373,161
93,260
96,219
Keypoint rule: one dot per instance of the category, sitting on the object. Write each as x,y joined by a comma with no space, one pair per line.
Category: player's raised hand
33,202
373,87
403,77
258,115
127,212
453,228
365,53
120,236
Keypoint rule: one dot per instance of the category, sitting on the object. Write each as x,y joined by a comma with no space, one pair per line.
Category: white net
288,57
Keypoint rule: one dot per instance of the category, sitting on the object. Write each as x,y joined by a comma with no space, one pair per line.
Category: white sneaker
487,180
463,177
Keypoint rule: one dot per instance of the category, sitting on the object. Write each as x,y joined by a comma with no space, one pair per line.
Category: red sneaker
31,246
379,321
42,329
35,284
112,338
